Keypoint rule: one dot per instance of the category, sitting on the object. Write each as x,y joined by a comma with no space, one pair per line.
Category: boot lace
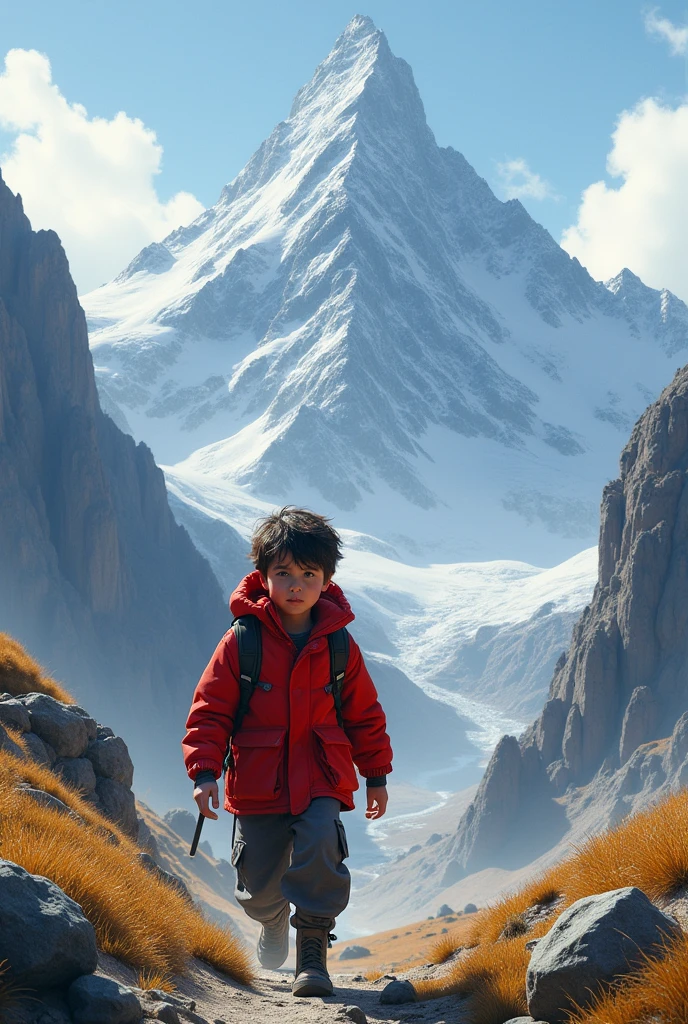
313,952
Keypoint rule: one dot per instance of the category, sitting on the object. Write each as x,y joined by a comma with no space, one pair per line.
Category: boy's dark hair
306,536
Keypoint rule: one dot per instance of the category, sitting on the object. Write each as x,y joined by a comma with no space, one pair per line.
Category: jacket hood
331,612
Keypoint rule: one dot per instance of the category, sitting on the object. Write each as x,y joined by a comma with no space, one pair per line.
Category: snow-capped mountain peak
361,323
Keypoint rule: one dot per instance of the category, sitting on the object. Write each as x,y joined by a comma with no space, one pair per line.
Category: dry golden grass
137,917
19,673
150,979
650,851
375,974
444,948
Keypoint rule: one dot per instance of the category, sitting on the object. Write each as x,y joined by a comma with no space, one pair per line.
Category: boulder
90,723
445,911
8,745
38,750
595,940
354,953
95,1000
57,724
14,714
51,1008
110,759
470,908
118,804
44,936
398,992
77,772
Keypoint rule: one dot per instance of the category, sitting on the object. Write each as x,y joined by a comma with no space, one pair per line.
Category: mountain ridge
358,313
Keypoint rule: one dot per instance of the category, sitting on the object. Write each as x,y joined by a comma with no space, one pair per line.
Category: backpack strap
250,646
339,655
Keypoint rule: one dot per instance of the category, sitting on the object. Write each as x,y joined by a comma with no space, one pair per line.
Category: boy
291,764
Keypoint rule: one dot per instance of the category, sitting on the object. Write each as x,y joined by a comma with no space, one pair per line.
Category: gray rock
470,908
445,911
50,1008
524,1020
95,1000
595,940
9,746
103,732
354,1013
77,772
57,724
38,750
90,723
165,1012
639,722
182,822
48,800
678,748
147,840
110,759
398,992
118,804
14,714
44,935
354,953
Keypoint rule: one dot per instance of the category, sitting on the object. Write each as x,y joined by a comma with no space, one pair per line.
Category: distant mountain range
96,577
361,324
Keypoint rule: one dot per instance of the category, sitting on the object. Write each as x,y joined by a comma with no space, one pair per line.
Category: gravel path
270,1001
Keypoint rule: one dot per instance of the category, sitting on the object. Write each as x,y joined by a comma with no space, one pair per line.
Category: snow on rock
361,324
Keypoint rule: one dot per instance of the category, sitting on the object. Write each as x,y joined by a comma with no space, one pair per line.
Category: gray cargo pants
293,858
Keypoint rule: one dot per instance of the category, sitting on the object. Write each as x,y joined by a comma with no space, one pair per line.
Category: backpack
249,642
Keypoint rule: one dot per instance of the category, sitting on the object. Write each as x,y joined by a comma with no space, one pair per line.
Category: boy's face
294,588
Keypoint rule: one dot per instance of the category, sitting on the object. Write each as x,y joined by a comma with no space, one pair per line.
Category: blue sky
543,81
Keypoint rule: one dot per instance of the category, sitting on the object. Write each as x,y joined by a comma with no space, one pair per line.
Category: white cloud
676,37
643,223
518,181
90,179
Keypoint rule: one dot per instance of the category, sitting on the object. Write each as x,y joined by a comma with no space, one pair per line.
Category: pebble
353,1013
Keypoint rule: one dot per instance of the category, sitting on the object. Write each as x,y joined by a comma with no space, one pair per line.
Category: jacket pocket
333,751
258,764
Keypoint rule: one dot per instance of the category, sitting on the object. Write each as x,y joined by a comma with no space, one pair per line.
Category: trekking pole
197,834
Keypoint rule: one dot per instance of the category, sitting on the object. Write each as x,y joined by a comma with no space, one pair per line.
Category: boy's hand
203,795
377,801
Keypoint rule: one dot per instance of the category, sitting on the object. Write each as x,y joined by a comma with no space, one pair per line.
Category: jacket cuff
203,766
374,781
204,776
373,773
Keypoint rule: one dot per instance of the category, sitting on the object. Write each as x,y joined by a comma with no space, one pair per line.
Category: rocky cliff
97,577
614,731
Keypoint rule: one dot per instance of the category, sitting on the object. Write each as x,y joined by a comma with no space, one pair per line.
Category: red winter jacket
289,748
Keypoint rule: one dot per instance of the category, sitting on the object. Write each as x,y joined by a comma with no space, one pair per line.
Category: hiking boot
273,944
312,978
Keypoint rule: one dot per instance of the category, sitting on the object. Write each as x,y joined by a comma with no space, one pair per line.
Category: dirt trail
270,1001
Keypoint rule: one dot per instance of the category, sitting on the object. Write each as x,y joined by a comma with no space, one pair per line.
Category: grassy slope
137,917
488,966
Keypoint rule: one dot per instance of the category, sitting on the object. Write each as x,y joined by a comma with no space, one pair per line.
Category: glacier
361,326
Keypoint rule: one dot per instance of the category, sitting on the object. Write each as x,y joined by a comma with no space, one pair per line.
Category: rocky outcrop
620,688
86,755
97,577
595,941
44,936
